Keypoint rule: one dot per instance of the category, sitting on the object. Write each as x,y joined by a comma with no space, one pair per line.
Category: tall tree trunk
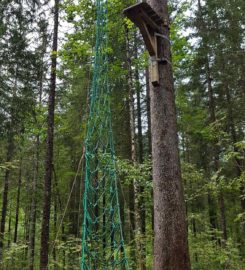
33,211
17,205
238,162
170,225
49,149
139,113
216,151
234,140
9,226
57,207
140,187
33,214
148,109
55,231
10,149
133,147
212,213
27,223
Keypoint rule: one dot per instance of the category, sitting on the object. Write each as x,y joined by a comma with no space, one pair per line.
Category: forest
122,134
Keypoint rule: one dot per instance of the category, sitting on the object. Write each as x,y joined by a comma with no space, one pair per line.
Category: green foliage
138,172
14,164
13,257
207,254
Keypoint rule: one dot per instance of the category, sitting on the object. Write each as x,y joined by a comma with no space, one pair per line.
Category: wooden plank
152,17
154,73
135,19
149,21
149,39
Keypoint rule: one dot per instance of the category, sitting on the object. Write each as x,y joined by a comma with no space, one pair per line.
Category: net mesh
102,237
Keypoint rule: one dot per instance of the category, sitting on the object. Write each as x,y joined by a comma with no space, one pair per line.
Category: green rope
102,237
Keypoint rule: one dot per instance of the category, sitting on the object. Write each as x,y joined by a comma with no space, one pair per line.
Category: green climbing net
102,237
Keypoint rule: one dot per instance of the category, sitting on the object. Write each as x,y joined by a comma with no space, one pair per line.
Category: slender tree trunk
55,231
49,149
214,147
238,163
216,151
234,140
9,226
33,210
133,147
148,109
64,251
170,225
27,225
10,149
211,213
131,105
17,205
57,206
139,113
140,187
74,202
193,219
33,216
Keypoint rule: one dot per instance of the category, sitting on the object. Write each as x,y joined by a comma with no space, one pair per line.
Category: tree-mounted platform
149,23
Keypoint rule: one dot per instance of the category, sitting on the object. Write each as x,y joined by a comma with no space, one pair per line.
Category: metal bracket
164,37
163,60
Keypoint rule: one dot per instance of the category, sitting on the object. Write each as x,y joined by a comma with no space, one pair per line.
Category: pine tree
170,228
49,148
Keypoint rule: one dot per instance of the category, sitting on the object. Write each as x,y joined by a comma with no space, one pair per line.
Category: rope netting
102,236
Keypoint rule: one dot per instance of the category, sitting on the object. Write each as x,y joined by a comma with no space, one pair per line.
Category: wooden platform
148,21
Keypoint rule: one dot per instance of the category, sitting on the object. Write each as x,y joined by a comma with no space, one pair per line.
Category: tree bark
55,231
17,205
212,117
10,149
148,109
140,187
33,211
49,148
9,226
170,226
216,151
27,223
133,147
238,165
